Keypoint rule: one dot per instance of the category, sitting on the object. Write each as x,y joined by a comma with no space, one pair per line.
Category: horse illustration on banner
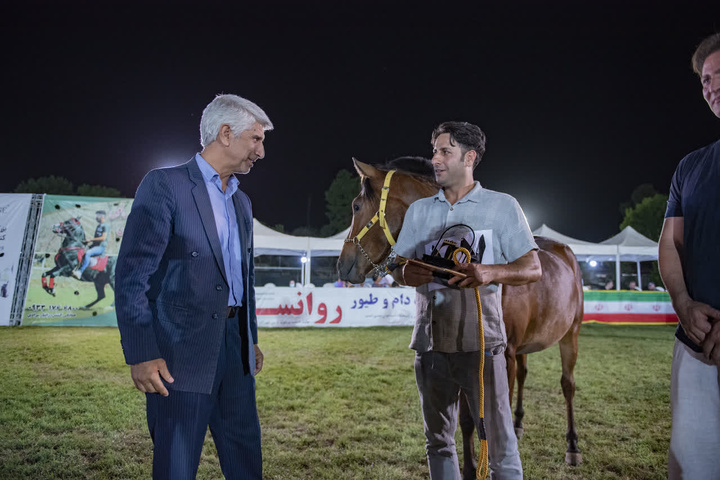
101,270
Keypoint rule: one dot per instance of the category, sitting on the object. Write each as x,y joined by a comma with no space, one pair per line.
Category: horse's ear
364,169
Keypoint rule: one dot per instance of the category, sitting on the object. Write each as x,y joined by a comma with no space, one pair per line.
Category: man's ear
224,135
470,157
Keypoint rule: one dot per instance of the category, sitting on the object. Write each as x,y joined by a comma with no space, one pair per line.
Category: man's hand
146,376
414,275
524,269
711,344
477,274
259,358
696,319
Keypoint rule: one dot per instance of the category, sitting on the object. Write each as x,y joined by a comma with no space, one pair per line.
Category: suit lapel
202,201
244,221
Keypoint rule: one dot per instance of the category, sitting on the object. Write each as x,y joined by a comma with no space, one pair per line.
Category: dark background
581,101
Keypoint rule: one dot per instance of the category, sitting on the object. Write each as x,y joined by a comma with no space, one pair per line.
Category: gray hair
237,112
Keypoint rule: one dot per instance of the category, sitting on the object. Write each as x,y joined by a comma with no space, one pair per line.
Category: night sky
581,101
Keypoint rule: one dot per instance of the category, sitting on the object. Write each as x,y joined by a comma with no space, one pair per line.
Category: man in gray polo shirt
446,334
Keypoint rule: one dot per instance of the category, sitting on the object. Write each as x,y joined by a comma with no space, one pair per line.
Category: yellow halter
378,218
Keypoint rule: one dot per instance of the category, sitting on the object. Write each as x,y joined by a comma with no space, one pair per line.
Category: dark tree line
62,186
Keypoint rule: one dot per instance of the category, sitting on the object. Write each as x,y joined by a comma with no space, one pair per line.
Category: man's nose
260,151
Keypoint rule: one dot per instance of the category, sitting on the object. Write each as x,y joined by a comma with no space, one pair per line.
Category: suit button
194,254
215,316
218,287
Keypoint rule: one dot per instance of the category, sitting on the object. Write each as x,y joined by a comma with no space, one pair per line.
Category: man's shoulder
697,161
705,153
424,202
485,194
181,170
165,184
171,174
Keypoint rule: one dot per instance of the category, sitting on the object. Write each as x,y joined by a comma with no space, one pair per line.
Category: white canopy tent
627,246
271,242
583,250
342,235
632,246
545,231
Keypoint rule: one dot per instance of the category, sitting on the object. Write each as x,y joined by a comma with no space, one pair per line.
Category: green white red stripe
629,308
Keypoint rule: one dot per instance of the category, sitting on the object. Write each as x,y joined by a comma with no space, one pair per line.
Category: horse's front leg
467,427
48,280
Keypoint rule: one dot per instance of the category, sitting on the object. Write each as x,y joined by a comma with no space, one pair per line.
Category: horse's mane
418,167
415,166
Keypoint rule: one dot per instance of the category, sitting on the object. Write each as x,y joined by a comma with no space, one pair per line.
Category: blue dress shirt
227,226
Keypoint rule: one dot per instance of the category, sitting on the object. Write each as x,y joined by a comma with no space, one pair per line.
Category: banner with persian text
14,210
334,307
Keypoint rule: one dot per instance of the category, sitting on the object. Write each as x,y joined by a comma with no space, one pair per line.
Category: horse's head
367,245
70,228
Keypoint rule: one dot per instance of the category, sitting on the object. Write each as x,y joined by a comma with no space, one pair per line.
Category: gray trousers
441,379
695,405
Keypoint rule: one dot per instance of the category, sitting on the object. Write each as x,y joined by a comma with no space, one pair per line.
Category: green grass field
333,404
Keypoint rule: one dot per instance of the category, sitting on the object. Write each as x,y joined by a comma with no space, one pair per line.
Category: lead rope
483,467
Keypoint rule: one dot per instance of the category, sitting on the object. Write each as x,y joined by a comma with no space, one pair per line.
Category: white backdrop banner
14,210
334,307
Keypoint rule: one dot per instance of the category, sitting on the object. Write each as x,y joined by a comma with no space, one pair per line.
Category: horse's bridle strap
383,204
379,217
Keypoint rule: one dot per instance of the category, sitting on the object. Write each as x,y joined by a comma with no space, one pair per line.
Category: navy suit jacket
171,289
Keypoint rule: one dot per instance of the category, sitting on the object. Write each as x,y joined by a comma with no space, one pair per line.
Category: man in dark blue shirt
96,245
690,267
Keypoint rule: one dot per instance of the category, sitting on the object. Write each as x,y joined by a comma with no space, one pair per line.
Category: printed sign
14,210
56,296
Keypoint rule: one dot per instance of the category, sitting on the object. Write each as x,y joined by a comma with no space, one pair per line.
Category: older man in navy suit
185,298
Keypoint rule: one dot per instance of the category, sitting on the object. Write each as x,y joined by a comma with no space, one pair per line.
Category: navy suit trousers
178,422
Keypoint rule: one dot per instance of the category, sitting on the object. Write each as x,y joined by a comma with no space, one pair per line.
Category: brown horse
537,315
